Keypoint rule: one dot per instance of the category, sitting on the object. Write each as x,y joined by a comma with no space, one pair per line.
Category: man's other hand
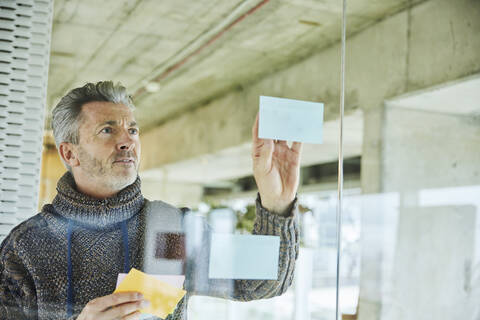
122,305
276,168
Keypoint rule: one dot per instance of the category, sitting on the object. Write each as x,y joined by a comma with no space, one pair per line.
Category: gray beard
95,169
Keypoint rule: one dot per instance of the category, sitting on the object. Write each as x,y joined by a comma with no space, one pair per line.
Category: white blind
25,31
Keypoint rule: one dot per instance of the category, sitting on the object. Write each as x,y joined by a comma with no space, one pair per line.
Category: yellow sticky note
162,296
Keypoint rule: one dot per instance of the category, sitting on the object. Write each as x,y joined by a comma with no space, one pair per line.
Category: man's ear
68,154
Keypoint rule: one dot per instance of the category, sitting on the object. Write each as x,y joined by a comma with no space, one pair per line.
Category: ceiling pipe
202,42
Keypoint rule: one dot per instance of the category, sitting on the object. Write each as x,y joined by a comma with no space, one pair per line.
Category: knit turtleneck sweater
92,212
72,252
38,249
87,214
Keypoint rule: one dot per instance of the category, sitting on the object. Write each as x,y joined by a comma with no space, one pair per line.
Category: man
64,261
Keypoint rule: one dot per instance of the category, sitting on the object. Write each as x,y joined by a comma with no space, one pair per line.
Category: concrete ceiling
192,51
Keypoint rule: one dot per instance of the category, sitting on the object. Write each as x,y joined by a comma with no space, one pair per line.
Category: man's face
109,146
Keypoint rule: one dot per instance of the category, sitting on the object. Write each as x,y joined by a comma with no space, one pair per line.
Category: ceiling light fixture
152,87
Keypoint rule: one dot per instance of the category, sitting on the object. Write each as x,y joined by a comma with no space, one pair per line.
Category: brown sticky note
170,245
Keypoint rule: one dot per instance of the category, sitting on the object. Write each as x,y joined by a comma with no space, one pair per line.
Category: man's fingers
297,147
132,316
103,303
122,310
255,129
263,150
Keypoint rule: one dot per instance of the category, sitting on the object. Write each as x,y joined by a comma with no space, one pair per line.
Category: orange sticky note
162,296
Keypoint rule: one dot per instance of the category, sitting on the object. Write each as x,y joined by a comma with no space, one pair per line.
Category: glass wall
416,217
410,230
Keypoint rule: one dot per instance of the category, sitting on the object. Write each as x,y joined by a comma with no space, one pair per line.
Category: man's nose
126,143
126,146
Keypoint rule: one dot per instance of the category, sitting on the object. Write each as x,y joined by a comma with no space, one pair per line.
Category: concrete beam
235,162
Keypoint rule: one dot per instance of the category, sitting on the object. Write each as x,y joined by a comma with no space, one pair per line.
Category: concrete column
435,243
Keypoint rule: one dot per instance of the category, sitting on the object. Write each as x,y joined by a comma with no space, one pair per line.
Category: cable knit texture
33,258
96,213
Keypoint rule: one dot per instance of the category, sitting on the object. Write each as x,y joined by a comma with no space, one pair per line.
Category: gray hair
66,116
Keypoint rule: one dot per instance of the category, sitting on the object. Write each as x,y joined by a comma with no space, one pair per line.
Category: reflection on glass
419,237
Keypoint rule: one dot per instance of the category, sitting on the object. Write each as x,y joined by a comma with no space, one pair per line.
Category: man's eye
133,131
107,130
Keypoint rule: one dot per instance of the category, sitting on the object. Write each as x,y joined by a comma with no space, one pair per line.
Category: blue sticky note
290,120
238,256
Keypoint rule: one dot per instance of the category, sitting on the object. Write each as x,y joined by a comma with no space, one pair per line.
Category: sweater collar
74,205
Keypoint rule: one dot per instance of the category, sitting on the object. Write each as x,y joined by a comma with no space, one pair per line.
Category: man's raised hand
276,168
